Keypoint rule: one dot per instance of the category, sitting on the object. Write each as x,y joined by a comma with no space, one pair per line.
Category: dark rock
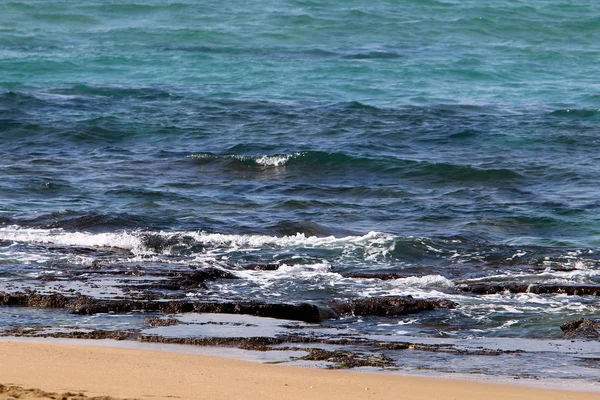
374,275
209,274
571,290
390,306
582,328
297,312
262,267
55,300
13,299
5,243
485,288
348,359
252,343
194,280
85,305
155,321
175,307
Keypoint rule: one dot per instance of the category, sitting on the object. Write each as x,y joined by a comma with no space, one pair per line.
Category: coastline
147,374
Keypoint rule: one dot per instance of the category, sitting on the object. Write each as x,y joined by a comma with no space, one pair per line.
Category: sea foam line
135,241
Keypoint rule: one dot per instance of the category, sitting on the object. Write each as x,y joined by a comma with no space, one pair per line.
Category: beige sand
124,373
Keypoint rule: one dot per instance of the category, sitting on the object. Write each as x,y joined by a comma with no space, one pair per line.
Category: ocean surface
444,144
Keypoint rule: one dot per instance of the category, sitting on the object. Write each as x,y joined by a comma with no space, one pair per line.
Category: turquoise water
450,143
511,54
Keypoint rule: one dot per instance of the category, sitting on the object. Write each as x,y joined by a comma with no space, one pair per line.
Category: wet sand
125,373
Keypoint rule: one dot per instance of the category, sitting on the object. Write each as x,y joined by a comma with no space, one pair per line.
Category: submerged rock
391,305
194,280
262,267
582,328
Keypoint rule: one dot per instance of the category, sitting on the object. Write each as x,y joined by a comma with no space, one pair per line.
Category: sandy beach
124,373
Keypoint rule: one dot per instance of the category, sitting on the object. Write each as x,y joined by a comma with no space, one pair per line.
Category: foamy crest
436,281
274,161
122,240
137,241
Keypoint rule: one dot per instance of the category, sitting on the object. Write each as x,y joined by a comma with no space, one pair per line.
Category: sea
320,152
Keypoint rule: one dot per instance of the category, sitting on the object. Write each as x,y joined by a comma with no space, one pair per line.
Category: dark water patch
17,100
576,113
117,92
465,134
74,220
65,18
307,228
137,9
263,52
445,172
373,55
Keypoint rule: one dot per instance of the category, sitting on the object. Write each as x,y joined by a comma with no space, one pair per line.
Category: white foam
274,161
277,160
436,281
122,240
373,243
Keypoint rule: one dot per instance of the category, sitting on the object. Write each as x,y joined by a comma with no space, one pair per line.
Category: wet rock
17,392
85,305
194,280
55,300
181,243
74,250
5,243
13,299
297,312
348,359
571,290
582,328
252,343
483,289
175,307
156,322
262,267
390,306
375,275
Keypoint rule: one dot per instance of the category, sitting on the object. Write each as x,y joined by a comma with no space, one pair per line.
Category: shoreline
121,372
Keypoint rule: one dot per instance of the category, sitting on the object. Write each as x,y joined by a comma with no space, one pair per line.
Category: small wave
436,281
463,173
73,220
277,160
144,242
311,159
